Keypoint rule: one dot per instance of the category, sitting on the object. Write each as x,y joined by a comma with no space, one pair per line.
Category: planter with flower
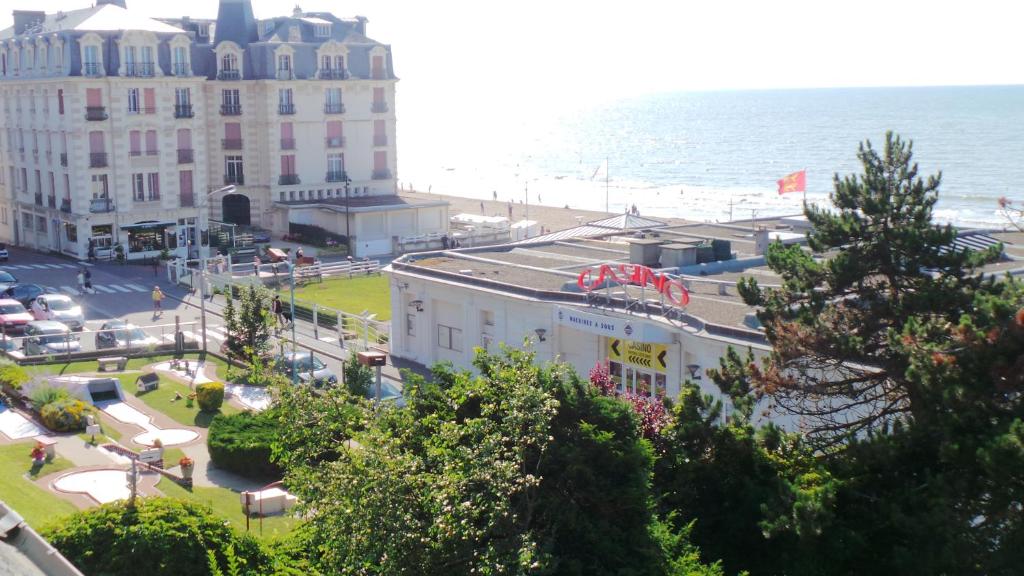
187,466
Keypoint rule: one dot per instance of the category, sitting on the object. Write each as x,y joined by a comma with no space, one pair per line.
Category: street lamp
348,237
202,259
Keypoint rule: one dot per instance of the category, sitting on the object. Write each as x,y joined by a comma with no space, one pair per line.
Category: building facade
119,129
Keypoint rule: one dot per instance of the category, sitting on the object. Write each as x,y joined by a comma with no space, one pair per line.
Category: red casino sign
636,275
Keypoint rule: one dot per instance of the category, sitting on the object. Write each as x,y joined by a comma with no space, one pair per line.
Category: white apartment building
119,129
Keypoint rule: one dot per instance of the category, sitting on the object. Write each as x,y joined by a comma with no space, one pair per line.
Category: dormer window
322,30
268,27
284,63
179,61
203,30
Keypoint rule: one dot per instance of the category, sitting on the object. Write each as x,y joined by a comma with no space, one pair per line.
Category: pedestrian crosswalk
43,266
126,288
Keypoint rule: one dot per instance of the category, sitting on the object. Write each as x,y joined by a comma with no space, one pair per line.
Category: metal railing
39,198
332,74
65,205
139,69
101,205
288,179
231,109
181,69
335,142
229,75
234,179
231,143
97,159
96,113
379,107
64,159
102,345
335,176
285,75
51,201
334,108
286,109
185,156
92,69
287,143
381,174
183,111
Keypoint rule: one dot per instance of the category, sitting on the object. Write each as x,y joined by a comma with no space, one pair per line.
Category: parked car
46,337
60,308
7,280
3,252
24,293
118,334
13,316
307,368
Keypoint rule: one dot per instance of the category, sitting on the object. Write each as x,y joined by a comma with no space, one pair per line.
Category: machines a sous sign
636,275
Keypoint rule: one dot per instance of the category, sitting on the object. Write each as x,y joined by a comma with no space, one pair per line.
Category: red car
13,316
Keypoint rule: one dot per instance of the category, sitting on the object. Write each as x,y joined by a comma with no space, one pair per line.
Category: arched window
228,63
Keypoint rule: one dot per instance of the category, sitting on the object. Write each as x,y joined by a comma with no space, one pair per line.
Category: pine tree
248,325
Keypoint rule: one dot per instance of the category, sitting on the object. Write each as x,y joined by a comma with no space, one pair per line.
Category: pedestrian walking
88,281
481,206
278,308
156,267
81,281
158,298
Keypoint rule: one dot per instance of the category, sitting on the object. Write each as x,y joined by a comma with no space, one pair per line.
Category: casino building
658,303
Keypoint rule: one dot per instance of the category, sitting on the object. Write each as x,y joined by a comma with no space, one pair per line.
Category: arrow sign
661,358
615,347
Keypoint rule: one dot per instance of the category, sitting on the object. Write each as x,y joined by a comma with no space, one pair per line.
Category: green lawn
109,432
163,400
352,295
35,505
133,364
225,503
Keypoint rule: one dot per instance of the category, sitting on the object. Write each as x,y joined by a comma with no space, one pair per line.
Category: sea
716,156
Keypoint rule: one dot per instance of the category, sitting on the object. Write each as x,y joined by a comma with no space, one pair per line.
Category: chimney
25,19
361,26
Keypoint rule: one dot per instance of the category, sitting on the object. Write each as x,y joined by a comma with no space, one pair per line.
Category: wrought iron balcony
65,205
285,75
101,205
336,142
39,198
92,69
234,179
287,143
64,159
185,156
134,153
152,152
286,108
139,69
336,176
380,139
381,174
332,74
231,109
187,200
229,75
334,108
231,144
51,201
96,113
288,179
181,69
183,111
97,160
379,107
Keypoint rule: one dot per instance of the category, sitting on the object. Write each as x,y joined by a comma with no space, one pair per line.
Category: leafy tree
156,537
358,379
249,324
523,469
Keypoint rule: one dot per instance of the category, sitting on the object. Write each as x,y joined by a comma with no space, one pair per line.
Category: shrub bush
12,376
242,443
314,235
159,537
47,395
210,396
65,415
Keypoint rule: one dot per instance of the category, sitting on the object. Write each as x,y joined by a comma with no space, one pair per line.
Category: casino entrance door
638,367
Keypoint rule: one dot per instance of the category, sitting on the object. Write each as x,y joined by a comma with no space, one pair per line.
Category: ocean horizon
715,156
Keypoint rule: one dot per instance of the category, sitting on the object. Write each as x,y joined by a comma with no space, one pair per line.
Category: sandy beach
550,217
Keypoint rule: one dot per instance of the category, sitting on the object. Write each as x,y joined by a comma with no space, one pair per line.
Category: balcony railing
229,75
101,205
381,174
231,144
287,143
185,156
92,69
335,142
379,107
181,69
65,205
285,75
152,152
134,153
139,69
95,112
288,179
183,111
231,109
97,159
51,201
335,176
64,159
39,198
234,179
332,74
334,108
187,200
286,108
380,139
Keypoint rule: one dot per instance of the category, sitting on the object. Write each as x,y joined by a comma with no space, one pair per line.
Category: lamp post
202,259
348,236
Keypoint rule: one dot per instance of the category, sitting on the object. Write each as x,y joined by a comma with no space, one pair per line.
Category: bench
119,362
147,382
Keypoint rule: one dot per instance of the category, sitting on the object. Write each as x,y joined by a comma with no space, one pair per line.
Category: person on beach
509,209
158,298
481,206
495,194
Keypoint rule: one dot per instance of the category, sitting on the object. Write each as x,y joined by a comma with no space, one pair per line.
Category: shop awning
147,225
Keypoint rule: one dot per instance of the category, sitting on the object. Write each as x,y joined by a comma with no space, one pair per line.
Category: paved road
124,292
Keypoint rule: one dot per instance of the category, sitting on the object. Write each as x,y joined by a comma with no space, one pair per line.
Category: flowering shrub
650,411
210,396
65,415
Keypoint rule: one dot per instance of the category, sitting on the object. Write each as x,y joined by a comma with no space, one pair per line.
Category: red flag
795,182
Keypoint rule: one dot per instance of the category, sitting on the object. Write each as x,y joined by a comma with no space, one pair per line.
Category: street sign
372,358
639,354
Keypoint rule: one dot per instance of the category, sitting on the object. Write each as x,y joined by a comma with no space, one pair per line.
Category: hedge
242,443
210,396
12,376
65,415
158,537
